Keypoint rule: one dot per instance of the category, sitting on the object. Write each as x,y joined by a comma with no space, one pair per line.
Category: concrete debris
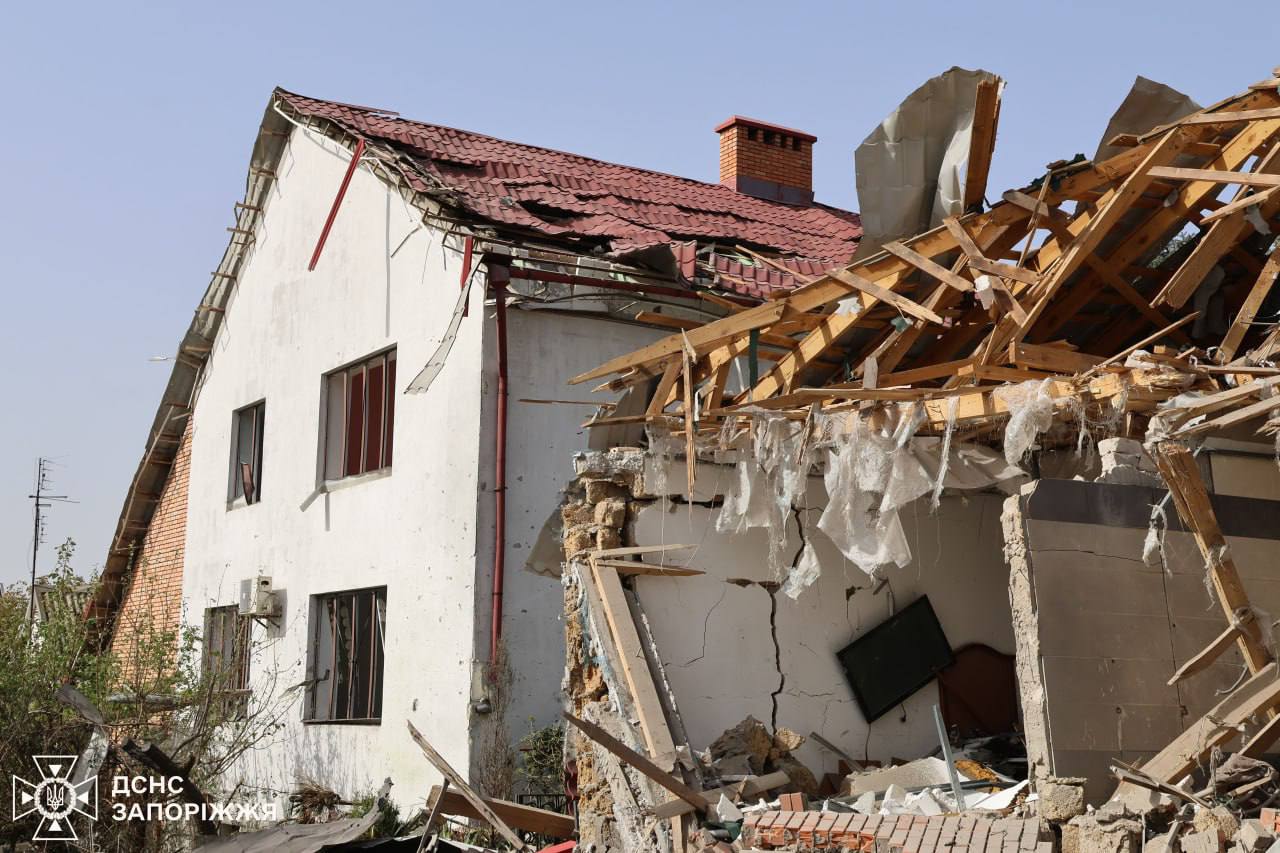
1101,833
1059,800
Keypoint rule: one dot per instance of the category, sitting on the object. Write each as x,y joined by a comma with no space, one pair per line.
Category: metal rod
946,756
337,202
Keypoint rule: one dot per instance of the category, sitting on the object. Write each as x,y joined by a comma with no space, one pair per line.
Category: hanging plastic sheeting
868,477
1030,413
911,169
804,573
769,480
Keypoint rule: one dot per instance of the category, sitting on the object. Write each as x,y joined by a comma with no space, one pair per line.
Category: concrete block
1207,841
1253,836
1085,834
1059,802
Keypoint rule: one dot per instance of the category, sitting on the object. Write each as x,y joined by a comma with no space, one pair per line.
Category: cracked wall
1100,631
732,646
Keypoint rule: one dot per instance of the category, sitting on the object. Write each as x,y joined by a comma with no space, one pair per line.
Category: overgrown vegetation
542,760
156,690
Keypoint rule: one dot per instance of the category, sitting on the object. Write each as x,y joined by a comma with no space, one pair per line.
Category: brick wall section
897,833
754,158
153,597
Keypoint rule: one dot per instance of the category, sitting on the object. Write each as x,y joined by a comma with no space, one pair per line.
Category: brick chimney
766,161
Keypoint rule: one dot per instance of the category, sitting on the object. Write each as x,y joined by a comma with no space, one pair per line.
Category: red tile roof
569,198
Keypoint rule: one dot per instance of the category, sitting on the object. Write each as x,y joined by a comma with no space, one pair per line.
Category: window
246,454
346,656
225,662
360,404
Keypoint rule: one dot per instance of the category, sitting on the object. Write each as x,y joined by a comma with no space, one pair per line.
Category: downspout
498,276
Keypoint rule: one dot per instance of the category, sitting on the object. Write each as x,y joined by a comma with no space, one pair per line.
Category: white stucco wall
544,349
412,529
425,529
715,639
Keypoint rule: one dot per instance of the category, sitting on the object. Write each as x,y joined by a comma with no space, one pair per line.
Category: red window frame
367,420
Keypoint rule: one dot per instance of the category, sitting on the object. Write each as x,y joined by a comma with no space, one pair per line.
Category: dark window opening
360,417
246,453
346,655
225,662
768,137
795,143
751,134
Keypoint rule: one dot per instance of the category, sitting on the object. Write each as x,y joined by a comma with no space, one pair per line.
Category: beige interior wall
1112,629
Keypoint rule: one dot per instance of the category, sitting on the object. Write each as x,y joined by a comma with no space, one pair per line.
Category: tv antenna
42,500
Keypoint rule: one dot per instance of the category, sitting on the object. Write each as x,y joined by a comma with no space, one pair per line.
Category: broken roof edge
177,401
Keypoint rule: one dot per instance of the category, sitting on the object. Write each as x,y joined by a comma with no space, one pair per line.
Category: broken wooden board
528,818
455,779
639,762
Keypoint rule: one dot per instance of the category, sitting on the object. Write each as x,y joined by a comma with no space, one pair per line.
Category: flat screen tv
896,658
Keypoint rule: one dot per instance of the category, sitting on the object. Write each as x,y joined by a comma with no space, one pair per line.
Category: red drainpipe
499,275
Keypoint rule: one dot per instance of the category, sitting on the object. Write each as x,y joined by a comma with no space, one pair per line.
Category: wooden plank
639,762
632,550
528,818
928,267
631,567
1243,203
945,369
666,386
1113,280
1001,374
963,239
1263,738
1110,211
635,667
982,141
1051,359
1217,176
1249,308
1150,339
862,285
1205,658
477,802
1232,116
1008,271
1216,242
1182,475
701,339
1233,418
1219,726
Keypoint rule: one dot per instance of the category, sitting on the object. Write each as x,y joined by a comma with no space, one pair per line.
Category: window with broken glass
346,655
225,663
246,453
360,408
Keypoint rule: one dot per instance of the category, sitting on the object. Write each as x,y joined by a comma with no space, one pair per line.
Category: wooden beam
635,667
1205,658
982,142
1217,176
1235,116
945,369
1243,203
528,818
1235,417
1219,726
862,285
1052,359
1249,308
639,762
928,267
1182,475
482,808
1117,283
632,567
748,788
701,339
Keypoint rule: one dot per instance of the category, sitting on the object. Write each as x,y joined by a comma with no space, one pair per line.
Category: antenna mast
40,499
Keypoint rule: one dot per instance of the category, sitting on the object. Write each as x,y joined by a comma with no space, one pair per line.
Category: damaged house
1016,475
347,485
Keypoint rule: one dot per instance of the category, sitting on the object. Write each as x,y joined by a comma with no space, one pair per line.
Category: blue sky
127,130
